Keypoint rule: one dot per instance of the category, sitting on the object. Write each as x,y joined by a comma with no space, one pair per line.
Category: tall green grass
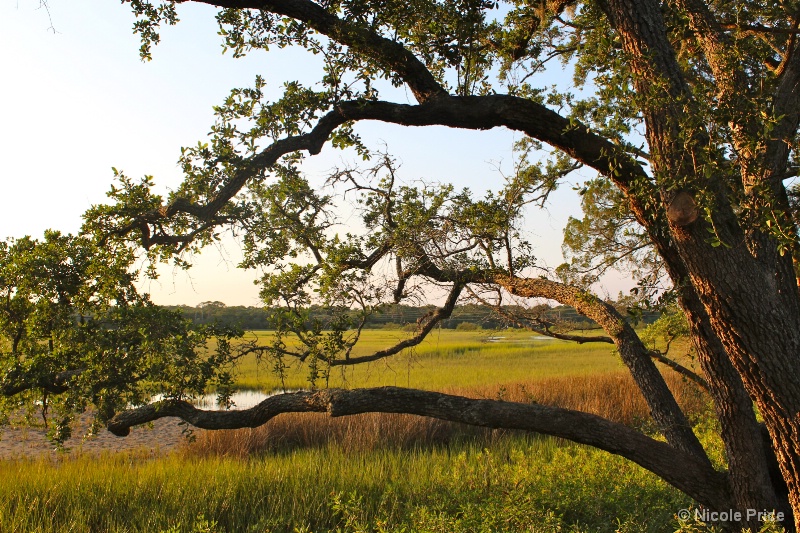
377,473
520,484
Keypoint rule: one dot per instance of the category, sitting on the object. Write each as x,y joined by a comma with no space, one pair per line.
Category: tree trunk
753,305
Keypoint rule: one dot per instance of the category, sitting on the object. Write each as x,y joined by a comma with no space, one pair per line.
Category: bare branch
679,368
426,324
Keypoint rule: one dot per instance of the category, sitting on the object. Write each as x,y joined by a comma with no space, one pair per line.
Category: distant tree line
399,316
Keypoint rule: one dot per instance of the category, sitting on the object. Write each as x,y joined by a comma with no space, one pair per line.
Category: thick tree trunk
748,457
751,297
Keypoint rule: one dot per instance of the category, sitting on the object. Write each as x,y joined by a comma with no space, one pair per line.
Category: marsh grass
521,484
446,358
380,472
612,395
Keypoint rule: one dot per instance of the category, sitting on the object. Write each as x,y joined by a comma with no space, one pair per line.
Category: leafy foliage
75,334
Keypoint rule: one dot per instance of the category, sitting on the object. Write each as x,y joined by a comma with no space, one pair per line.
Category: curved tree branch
635,355
426,323
470,112
686,472
393,56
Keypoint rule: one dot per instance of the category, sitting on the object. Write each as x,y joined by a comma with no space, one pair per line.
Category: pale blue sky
78,101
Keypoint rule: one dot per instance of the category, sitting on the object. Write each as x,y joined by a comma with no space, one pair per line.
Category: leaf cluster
75,335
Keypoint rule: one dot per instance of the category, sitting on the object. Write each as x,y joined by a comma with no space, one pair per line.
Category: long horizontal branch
469,112
689,474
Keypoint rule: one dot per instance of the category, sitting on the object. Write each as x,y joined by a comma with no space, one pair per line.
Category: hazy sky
78,100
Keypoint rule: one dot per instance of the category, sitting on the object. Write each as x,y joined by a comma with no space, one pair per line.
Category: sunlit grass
373,473
522,483
446,359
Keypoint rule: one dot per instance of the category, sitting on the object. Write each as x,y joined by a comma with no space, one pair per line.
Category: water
530,339
244,399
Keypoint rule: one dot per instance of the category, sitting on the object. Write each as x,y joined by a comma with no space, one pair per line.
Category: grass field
380,473
446,359
517,484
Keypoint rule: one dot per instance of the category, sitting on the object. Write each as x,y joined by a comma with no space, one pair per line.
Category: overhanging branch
390,54
470,112
686,472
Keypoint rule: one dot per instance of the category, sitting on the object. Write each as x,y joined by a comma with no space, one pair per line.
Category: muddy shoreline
20,442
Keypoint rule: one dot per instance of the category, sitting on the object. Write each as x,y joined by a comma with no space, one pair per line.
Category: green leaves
76,335
607,236
150,16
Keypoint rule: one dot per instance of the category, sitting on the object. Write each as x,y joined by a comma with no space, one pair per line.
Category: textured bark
686,472
663,407
748,454
752,301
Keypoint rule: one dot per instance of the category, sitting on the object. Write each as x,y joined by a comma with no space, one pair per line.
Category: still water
244,399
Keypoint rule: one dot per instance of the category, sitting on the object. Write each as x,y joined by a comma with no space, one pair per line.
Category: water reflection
244,399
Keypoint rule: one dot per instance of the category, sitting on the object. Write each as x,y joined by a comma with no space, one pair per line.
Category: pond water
243,399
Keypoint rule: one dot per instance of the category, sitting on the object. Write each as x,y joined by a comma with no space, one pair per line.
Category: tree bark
663,407
750,298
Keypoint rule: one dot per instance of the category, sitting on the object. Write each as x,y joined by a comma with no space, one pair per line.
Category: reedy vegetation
379,472
515,485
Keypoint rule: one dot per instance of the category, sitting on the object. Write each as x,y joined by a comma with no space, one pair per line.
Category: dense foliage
75,334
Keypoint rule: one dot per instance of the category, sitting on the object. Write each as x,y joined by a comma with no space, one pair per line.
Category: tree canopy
688,119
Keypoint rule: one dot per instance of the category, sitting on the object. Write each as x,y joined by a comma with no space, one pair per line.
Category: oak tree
691,128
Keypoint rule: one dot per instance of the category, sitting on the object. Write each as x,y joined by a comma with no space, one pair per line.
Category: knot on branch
682,210
322,401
